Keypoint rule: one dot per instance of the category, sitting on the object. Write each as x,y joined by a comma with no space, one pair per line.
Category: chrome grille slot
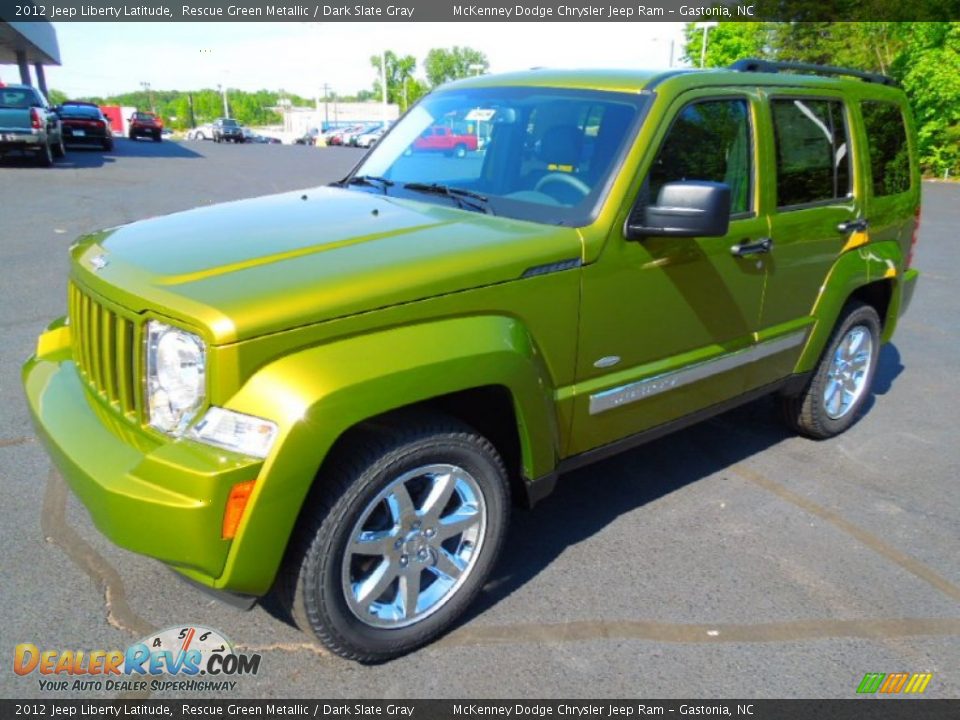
103,349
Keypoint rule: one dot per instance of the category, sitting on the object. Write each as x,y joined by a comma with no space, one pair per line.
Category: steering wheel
556,177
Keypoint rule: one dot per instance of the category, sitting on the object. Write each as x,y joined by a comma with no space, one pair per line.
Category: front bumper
153,496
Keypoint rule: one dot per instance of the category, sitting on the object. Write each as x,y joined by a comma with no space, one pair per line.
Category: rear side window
813,151
887,144
709,140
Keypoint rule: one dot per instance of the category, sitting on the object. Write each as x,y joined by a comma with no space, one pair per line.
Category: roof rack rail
771,66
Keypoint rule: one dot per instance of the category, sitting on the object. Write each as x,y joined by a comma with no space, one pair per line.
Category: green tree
923,56
399,71
443,65
727,42
57,97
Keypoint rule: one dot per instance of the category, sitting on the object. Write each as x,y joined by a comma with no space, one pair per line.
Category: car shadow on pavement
889,368
588,500
81,157
142,147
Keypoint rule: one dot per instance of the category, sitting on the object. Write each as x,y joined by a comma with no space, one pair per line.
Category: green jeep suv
334,394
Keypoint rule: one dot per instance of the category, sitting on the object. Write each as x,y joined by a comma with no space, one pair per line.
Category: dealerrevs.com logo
181,659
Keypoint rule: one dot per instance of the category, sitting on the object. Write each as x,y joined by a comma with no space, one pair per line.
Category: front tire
397,538
840,384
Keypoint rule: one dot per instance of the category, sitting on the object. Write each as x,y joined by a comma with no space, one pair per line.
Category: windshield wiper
369,180
463,198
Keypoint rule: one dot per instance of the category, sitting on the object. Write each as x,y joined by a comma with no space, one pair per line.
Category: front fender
317,394
852,270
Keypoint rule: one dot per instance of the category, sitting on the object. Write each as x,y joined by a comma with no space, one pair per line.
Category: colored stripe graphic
918,682
893,683
871,683
913,683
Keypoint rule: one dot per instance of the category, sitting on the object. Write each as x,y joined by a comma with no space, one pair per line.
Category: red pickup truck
443,139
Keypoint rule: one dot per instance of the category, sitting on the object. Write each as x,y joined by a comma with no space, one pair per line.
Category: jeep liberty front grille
104,345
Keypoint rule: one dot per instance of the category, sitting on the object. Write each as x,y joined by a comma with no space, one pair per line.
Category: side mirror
691,208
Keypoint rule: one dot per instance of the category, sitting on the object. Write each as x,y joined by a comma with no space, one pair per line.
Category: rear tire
59,150
841,381
156,137
401,489
45,156
460,150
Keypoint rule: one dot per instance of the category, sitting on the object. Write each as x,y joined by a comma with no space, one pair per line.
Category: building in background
297,121
28,43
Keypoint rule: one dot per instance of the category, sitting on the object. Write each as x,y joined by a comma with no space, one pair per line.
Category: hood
243,269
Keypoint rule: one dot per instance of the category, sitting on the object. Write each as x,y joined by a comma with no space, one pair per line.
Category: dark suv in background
227,129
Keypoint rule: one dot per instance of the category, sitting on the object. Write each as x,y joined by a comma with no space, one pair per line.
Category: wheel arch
486,372
871,274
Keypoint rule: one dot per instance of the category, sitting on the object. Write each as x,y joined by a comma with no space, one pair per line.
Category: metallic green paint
325,308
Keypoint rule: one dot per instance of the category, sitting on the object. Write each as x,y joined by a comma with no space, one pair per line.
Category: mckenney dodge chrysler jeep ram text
334,393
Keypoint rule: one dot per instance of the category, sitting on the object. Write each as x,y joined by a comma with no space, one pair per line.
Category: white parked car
369,139
201,132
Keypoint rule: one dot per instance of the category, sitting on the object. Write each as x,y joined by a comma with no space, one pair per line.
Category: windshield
539,154
230,123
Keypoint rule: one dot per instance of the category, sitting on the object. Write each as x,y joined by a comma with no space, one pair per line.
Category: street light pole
226,107
705,26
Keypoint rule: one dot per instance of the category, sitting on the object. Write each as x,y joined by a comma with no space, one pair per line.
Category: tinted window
709,140
813,158
887,144
80,111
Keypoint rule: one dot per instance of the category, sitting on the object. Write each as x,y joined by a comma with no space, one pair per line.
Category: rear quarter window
887,146
813,151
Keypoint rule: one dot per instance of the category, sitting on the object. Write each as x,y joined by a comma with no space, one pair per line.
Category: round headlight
176,371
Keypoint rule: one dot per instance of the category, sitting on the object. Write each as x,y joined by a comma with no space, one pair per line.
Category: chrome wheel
848,372
414,546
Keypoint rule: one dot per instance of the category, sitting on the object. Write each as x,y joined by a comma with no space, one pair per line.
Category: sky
107,58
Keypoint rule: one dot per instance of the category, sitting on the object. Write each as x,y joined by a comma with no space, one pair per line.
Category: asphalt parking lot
729,560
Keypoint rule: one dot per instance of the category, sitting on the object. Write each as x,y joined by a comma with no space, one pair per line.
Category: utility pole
383,76
326,105
146,88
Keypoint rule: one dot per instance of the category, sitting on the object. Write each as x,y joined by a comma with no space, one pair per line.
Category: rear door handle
858,225
743,249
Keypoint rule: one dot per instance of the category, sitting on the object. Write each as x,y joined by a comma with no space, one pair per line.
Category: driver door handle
858,225
745,248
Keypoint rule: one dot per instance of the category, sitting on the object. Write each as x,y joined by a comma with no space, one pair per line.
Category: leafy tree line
923,56
174,106
180,109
